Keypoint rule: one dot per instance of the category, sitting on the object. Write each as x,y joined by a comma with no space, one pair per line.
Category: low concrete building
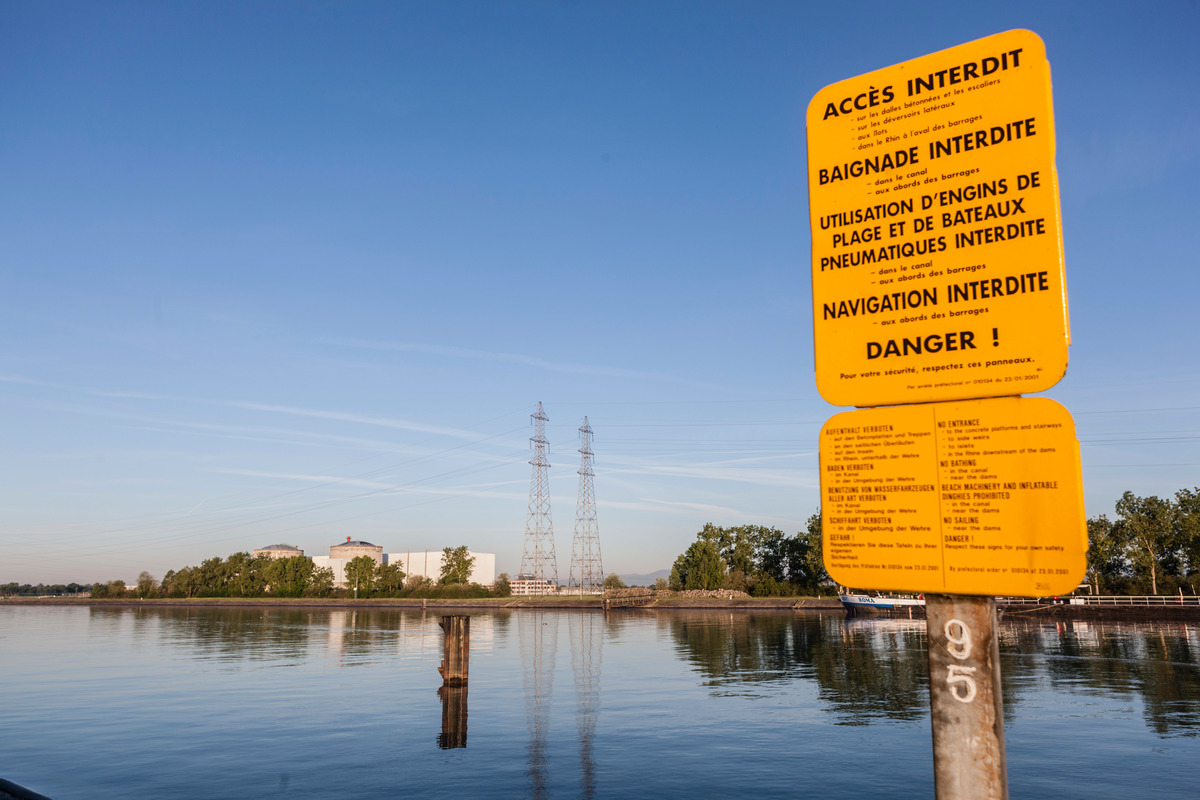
428,564
527,585
278,551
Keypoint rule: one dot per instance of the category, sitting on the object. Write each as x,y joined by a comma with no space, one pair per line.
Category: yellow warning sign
937,267
980,497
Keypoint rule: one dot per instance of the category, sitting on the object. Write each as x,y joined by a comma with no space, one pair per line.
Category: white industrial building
425,564
428,564
527,586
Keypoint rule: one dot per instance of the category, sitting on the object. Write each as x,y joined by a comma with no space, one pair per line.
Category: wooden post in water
965,700
457,654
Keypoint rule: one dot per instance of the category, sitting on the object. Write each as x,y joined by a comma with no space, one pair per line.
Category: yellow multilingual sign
937,267
980,497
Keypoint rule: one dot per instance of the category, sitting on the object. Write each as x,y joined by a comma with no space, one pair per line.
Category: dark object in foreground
11,791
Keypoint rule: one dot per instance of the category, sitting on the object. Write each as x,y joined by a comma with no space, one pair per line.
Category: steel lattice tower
538,560
587,570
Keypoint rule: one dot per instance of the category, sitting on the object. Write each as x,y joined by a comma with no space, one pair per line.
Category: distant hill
645,579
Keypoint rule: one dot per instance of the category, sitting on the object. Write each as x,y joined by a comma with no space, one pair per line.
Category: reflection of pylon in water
538,632
587,570
587,637
538,560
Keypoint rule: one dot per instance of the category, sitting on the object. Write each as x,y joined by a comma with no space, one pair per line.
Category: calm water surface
230,703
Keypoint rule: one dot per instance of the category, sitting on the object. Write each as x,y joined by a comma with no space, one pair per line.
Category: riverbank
1098,613
1044,611
614,603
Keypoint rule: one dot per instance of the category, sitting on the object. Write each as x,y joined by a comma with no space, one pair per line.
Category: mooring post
457,653
965,699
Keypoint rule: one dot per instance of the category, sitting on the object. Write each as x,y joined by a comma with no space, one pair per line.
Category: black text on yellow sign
979,497
937,265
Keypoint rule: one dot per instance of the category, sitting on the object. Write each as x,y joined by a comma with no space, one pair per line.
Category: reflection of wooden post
454,716
457,654
964,698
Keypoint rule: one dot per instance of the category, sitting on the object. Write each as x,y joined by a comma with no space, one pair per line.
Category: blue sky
291,272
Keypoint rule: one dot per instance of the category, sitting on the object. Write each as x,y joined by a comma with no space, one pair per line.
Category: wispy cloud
295,476
339,416
20,379
686,509
380,489
734,470
514,358
361,419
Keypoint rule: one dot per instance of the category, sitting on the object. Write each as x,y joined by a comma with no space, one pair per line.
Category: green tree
186,583
146,585
288,577
503,587
795,562
750,553
770,553
1106,552
613,581
1148,524
767,586
814,554
700,567
736,545
360,574
246,575
675,579
661,584
320,582
389,579
1187,520
457,563
215,574
417,586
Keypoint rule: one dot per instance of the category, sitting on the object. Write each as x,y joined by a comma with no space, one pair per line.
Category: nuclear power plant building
278,551
425,564
428,564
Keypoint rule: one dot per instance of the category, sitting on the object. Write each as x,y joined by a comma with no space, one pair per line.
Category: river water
230,703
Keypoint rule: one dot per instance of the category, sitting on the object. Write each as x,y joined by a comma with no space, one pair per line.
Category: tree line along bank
1151,546
245,575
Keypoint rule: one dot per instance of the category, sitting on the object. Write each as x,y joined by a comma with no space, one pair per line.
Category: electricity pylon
538,560
587,570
